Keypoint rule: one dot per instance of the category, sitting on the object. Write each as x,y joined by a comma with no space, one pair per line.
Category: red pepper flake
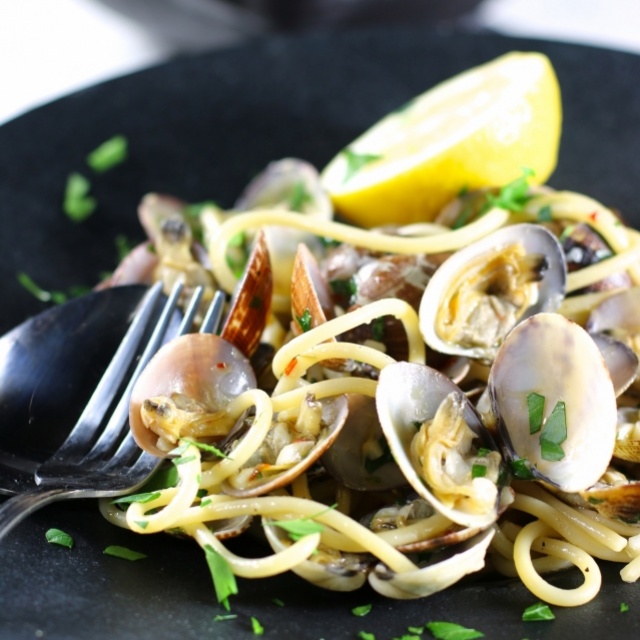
291,366
593,216
221,365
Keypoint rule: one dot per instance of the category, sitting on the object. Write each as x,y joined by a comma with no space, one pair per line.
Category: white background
49,48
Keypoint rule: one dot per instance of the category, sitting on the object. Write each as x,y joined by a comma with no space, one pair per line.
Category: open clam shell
360,459
259,476
408,398
200,367
251,303
482,291
553,362
334,571
443,571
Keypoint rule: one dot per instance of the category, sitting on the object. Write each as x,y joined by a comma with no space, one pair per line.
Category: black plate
200,128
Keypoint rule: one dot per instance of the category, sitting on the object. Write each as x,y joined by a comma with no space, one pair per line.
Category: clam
294,185
251,303
621,361
482,291
184,389
627,444
414,526
326,568
438,440
360,458
290,447
444,569
615,496
554,401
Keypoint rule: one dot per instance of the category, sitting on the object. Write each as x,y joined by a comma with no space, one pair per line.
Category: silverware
98,460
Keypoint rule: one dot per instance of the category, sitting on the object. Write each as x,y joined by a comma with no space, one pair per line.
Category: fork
96,461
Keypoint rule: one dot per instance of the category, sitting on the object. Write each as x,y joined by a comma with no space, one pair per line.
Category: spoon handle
18,507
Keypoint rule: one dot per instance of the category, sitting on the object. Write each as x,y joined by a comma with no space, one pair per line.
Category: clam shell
462,266
408,394
251,302
335,411
346,573
201,366
444,571
557,359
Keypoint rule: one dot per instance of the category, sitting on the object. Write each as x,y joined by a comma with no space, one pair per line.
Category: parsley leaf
478,470
58,297
554,433
122,552
512,196
258,629
355,162
224,581
362,610
452,631
298,528
77,203
537,612
535,404
57,536
624,607
366,635
304,321
109,154
206,447
521,469
141,498
299,197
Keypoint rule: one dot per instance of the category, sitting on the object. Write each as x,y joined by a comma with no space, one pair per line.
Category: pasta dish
402,405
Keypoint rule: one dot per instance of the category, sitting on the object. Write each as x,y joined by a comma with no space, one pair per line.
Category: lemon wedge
477,129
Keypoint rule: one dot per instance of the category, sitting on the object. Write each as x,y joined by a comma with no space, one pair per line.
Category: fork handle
18,507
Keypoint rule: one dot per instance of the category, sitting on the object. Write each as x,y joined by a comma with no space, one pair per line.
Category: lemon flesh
477,129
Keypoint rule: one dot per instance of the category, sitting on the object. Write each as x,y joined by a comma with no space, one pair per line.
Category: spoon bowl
49,366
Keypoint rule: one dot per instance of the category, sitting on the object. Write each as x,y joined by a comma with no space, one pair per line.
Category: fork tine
84,432
107,387
211,321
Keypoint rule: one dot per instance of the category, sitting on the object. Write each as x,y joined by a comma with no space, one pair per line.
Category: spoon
49,366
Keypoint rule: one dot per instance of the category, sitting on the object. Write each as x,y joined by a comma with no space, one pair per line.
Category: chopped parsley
513,195
356,161
224,581
123,552
304,321
545,215
141,498
110,153
378,329
183,460
222,617
478,470
537,612
554,433
535,404
366,635
41,294
258,629
59,537
624,607
521,469
77,203
452,631
362,610
209,448
347,288
299,197
298,528
277,602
